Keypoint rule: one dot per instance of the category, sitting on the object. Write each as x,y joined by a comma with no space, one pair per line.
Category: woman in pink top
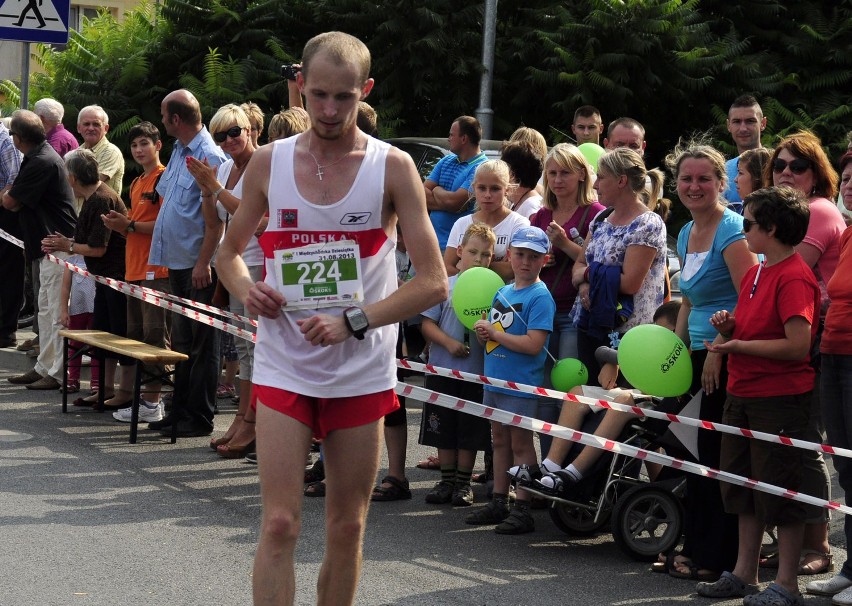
800,162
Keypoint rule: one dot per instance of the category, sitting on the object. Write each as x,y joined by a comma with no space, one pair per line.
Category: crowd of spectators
766,226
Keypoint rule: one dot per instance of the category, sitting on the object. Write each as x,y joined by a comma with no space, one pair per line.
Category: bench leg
137,394
65,374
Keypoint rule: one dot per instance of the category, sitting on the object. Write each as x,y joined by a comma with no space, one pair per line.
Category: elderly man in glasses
93,125
185,244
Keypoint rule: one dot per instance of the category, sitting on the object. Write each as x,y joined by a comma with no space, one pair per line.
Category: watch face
357,319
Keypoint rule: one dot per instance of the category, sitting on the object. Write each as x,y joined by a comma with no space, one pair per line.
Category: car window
430,159
413,150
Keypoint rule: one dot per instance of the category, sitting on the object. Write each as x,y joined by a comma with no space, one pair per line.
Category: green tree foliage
675,65
107,63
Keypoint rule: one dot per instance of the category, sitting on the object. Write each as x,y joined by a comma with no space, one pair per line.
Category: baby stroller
646,517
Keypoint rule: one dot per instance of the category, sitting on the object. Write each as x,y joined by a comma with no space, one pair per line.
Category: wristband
71,248
586,274
216,193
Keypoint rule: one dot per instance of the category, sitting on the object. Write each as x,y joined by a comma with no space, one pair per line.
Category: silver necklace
320,167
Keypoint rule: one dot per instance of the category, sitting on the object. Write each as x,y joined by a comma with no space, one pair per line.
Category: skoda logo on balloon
655,361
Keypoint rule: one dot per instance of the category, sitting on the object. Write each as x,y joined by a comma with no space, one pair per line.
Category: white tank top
283,359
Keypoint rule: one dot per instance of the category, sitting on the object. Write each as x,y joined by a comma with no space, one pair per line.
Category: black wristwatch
356,321
131,227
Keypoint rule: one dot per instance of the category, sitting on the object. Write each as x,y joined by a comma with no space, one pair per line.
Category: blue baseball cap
532,238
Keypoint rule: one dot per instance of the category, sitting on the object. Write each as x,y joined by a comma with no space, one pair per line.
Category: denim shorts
518,405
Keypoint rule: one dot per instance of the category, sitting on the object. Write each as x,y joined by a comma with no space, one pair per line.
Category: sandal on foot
315,473
666,562
694,573
820,565
71,387
431,462
774,595
492,513
397,491
518,522
524,475
315,489
562,483
225,438
727,586
91,400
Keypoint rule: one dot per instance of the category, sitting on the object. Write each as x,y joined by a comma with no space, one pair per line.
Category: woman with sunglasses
836,384
714,257
221,194
800,162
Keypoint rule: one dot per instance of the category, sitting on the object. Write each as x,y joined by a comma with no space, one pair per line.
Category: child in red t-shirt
770,382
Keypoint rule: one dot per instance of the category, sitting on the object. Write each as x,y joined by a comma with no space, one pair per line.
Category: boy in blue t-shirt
515,337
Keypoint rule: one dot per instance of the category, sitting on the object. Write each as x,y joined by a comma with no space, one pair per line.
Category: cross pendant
319,172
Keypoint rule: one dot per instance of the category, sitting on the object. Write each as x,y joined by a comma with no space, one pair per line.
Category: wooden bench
142,353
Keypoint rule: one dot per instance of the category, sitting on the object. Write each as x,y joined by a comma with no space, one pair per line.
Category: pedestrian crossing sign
34,20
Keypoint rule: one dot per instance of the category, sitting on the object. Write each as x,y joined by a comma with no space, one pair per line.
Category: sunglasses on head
797,166
232,132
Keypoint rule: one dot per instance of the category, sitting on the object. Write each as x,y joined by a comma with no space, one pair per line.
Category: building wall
11,52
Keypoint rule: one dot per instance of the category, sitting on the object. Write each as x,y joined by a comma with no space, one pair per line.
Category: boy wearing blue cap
515,336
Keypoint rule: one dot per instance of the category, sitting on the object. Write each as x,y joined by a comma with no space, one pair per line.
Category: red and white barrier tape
10,238
636,410
156,293
140,293
557,431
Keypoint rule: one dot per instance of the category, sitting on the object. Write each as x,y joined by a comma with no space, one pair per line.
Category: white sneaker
844,598
836,584
147,413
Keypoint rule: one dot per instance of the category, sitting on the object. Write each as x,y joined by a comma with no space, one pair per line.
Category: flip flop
431,462
663,566
695,573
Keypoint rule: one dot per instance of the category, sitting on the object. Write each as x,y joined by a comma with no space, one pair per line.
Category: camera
289,71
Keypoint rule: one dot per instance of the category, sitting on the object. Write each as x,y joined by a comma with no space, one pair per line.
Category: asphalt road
89,519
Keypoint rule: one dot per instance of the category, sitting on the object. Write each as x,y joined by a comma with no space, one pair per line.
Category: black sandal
315,473
315,489
665,566
397,491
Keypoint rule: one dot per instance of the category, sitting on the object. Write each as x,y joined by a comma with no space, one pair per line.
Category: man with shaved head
185,244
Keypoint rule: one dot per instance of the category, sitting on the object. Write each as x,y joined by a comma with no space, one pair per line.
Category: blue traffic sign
35,20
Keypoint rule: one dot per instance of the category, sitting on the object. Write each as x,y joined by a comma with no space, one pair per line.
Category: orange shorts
324,415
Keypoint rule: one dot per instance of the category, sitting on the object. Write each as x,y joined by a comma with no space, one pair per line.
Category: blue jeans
195,379
836,396
562,344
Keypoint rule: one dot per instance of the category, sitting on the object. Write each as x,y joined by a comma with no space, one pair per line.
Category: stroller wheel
572,519
647,521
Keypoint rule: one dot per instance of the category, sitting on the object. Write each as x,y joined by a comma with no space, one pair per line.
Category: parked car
426,151
673,267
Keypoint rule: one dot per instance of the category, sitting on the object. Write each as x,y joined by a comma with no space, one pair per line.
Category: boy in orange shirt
145,322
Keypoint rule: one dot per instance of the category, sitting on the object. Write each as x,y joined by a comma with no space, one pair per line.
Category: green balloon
568,373
473,293
655,361
591,152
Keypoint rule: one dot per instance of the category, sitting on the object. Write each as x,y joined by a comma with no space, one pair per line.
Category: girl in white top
490,185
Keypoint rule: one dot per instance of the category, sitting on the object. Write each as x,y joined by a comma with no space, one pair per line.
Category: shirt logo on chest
288,217
356,218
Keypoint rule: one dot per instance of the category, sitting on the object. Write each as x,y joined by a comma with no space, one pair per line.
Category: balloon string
518,316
